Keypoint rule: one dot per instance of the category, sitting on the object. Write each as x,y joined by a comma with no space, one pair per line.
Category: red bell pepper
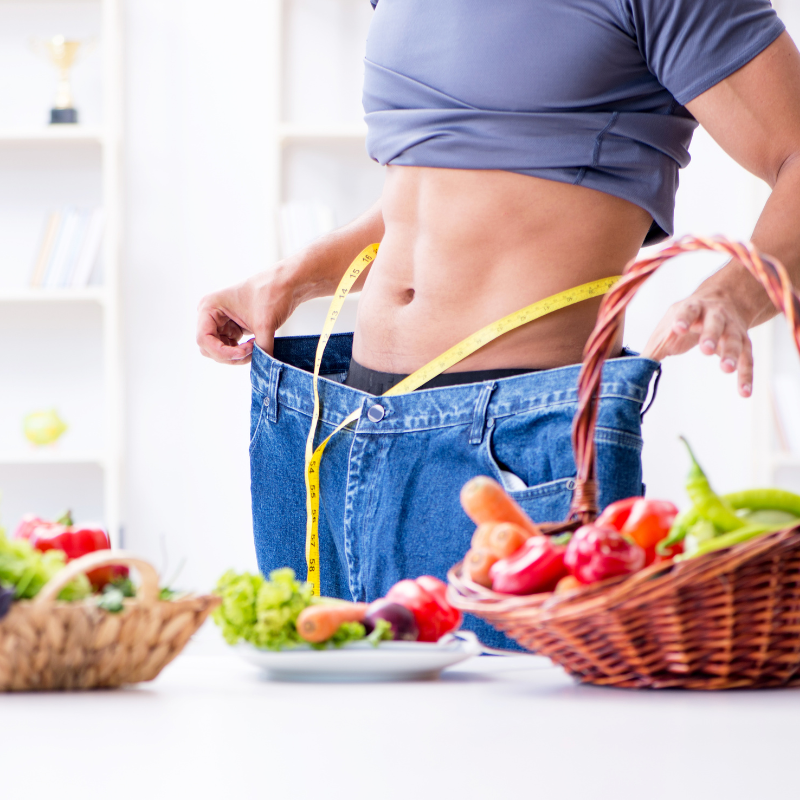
426,599
30,522
596,552
536,567
650,522
75,541
647,522
616,514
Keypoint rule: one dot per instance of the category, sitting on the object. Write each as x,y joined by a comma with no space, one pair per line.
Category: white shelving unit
318,146
75,306
79,134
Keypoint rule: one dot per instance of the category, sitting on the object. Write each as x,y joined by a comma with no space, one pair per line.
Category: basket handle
769,272
102,558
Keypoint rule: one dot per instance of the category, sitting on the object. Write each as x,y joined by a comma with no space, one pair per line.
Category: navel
407,296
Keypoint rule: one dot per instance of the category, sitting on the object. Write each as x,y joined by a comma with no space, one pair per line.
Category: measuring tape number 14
467,347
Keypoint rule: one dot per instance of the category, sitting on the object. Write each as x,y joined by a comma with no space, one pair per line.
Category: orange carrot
485,500
506,538
480,539
477,564
319,623
567,584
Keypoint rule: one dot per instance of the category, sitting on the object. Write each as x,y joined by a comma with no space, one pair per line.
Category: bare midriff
463,248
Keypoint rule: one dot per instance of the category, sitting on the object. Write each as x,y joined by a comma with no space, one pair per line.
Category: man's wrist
299,278
734,283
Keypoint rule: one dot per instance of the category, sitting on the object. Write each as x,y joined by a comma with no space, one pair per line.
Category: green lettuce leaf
27,570
262,612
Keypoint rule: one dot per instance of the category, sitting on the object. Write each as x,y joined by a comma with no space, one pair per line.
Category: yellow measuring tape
448,359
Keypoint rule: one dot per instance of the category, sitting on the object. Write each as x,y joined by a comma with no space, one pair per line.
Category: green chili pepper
764,505
765,500
701,532
680,527
743,534
709,505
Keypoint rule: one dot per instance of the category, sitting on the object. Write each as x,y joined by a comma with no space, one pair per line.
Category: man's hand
261,304
258,306
713,320
754,115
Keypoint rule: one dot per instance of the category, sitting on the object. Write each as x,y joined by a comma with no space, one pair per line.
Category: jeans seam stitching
257,430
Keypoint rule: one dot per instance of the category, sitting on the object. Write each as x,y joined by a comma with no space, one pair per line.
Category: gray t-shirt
589,92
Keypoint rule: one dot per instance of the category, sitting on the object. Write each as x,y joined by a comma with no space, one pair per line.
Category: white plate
361,661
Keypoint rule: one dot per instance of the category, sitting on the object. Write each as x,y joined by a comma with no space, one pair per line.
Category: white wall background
200,216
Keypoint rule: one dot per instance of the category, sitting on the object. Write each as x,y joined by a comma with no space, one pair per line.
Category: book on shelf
48,240
69,248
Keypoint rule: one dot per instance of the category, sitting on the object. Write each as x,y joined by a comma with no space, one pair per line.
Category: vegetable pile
40,548
714,522
511,555
282,613
72,540
25,570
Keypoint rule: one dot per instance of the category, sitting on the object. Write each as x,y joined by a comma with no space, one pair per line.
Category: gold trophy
62,53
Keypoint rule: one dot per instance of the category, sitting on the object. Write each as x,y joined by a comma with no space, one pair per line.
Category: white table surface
211,727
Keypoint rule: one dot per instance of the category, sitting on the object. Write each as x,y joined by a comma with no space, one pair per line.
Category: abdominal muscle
463,248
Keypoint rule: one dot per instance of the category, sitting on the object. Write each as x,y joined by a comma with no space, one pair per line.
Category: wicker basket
46,644
729,619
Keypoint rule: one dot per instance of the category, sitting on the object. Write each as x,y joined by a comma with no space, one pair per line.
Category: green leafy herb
347,632
381,632
112,599
125,585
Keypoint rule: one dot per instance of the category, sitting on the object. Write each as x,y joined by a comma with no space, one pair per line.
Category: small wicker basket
729,619
46,644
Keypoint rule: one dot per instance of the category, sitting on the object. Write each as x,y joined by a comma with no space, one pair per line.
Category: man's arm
262,303
754,115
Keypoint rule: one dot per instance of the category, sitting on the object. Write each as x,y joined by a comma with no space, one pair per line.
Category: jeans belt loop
479,415
272,390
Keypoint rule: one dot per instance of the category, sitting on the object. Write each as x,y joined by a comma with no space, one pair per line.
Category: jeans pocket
546,502
533,460
530,450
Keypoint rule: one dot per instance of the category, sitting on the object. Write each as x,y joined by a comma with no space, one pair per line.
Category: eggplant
404,626
6,599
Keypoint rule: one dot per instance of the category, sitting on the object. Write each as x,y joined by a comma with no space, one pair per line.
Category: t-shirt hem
761,44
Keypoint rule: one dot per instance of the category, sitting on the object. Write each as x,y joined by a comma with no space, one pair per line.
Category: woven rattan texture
728,619
79,646
723,621
46,644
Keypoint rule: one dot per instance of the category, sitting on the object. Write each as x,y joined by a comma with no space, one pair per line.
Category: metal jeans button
376,412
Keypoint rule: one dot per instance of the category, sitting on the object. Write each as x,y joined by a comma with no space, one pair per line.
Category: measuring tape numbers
424,374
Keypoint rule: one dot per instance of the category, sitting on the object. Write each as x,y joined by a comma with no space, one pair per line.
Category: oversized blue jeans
390,484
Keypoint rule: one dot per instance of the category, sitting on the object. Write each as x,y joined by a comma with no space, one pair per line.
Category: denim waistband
286,379
377,383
